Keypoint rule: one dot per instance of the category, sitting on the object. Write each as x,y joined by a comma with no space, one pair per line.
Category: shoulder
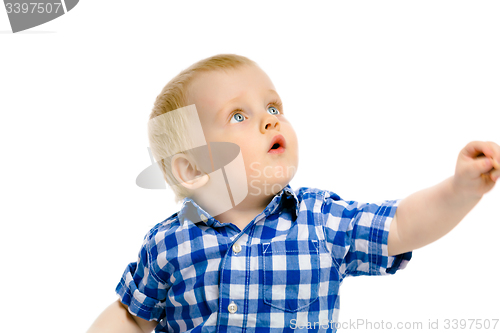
324,202
159,243
162,230
315,194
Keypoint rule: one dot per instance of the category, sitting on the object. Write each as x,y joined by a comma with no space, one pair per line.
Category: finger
477,148
495,174
489,149
496,164
492,150
479,166
495,155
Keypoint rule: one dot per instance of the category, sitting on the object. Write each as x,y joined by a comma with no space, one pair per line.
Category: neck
245,211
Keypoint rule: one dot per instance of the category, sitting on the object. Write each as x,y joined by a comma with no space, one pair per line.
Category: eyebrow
224,106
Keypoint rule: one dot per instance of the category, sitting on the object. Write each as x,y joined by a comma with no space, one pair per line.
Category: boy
272,260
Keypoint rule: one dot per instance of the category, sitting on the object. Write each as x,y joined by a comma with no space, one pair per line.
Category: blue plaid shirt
280,273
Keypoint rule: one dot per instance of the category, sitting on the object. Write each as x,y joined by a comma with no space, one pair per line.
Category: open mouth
278,145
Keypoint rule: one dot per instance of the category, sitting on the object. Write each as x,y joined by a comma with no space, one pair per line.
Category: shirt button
288,192
236,248
232,307
203,218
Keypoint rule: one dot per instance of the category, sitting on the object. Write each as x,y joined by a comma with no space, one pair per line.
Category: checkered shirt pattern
281,272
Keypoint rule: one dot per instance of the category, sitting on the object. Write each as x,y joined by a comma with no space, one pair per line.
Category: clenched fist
478,168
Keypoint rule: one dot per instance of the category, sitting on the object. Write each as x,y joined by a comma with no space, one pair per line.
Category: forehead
213,87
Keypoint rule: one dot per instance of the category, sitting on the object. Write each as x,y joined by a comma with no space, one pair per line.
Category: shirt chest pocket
291,273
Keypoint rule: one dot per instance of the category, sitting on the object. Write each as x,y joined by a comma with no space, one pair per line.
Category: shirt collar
190,210
286,198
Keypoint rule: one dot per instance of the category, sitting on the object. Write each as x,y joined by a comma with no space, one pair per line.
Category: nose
269,122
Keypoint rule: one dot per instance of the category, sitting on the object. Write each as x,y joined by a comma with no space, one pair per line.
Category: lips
278,145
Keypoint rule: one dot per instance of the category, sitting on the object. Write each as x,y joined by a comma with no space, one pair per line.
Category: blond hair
168,135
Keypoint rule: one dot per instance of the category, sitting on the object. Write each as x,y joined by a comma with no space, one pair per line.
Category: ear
187,173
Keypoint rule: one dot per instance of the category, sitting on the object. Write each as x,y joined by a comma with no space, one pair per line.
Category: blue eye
272,110
237,117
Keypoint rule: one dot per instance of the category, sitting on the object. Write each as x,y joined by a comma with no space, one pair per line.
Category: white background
382,94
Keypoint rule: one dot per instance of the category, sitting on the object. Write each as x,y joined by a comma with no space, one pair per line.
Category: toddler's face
242,106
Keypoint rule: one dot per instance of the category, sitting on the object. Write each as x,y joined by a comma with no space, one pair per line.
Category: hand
478,168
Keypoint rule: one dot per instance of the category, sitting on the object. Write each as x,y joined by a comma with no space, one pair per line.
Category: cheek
294,143
251,162
253,170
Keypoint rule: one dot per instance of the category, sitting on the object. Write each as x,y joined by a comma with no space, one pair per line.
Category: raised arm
116,318
427,215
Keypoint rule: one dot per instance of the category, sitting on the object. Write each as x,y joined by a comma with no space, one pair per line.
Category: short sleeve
140,289
358,234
